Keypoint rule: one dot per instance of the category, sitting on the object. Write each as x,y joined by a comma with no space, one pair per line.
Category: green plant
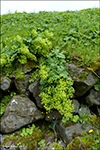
79,36
92,139
83,118
94,121
20,50
12,94
97,86
4,103
39,44
23,40
34,76
19,74
27,131
42,143
75,118
2,109
19,143
56,85
16,49
57,146
51,126
28,138
88,140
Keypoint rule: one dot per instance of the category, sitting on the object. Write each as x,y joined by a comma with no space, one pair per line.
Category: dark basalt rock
93,98
19,112
83,80
5,83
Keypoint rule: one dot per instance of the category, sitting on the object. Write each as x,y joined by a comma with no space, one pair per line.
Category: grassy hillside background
76,32
45,41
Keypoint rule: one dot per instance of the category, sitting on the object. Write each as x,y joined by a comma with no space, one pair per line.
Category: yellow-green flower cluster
48,35
6,60
16,49
3,61
42,46
44,72
19,39
22,59
34,33
60,99
6,41
24,51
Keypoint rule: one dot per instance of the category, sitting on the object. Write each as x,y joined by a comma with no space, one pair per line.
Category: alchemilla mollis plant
56,84
21,49
16,49
39,44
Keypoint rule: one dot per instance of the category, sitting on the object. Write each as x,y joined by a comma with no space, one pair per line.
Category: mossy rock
83,76
22,95
20,76
1,79
77,73
6,78
30,141
94,121
88,140
79,144
75,144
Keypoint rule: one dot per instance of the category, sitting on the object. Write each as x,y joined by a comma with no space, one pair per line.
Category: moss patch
20,76
75,145
30,140
88,140
1,79
30,136
31,64
22,95
6,78
83,76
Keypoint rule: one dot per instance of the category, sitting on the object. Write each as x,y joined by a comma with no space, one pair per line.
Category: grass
77,32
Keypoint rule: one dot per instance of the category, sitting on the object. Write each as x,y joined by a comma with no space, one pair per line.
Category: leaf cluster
27,131
42,143
20,50
16,49
97,86
57,87
34,76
